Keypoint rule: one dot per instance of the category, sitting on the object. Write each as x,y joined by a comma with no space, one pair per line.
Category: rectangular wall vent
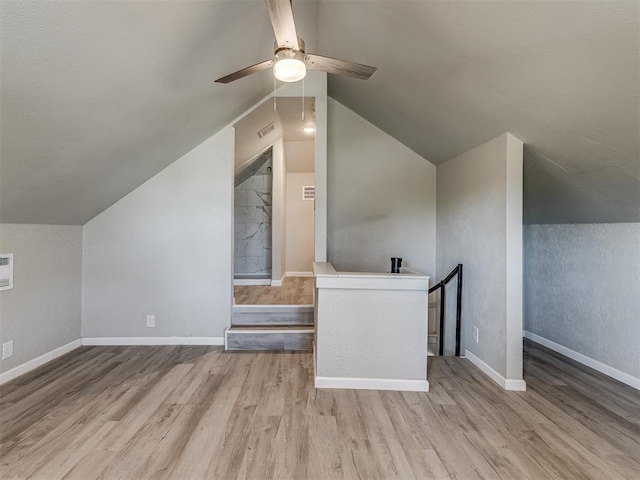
308,192
6,271
268,129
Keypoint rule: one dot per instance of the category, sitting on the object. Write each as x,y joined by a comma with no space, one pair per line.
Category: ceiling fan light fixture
291,68
291,60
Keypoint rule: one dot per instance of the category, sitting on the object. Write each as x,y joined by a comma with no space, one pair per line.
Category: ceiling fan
290,62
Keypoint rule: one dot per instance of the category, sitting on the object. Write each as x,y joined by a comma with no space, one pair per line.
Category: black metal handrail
441,286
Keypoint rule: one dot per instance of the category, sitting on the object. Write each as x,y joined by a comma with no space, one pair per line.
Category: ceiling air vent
269,128
6,271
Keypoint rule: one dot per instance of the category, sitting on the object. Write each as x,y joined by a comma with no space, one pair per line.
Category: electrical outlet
151,321
476,334
7,350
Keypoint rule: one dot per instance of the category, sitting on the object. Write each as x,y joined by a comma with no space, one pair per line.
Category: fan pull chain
275,95
303,99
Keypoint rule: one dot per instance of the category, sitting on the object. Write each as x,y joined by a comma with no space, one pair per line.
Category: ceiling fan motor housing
289,63
279,49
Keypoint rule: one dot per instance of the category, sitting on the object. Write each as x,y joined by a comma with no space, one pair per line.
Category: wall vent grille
266,130
308,192
6,271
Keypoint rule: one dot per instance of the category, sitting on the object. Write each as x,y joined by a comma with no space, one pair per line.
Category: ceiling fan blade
246,71
339,67
281,15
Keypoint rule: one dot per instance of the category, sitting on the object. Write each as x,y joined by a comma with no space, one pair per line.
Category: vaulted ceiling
97,97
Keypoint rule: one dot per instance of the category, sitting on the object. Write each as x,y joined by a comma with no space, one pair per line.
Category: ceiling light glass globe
289,70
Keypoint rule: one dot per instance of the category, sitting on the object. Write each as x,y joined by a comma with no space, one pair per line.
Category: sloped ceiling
99,96
561,76
96,97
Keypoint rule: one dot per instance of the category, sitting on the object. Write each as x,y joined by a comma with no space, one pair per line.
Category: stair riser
273,318
269,341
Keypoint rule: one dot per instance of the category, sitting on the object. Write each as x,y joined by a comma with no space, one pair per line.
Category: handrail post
441,333
442,286
458,310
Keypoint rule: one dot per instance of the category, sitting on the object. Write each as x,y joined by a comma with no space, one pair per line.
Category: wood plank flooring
294,291
196,412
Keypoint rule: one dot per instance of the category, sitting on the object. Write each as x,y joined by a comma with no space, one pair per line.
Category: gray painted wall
42,311
582,290
279,213
361,336
479,224
165,249
381,198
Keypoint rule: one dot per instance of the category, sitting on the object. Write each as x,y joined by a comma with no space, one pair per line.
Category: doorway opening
274,203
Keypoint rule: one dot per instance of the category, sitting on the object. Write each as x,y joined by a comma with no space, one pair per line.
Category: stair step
269,337
255,315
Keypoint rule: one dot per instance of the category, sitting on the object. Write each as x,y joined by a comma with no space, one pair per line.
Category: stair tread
267,306
271,328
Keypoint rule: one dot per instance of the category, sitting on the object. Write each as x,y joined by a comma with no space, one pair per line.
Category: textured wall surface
359,335
381,198
480,225
42,311
582,290
165,249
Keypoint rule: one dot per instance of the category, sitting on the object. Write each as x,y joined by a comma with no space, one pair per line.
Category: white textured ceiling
96,97
561,76
99,96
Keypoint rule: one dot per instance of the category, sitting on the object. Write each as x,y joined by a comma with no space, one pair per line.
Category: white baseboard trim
284,330
372,384
39,361
506,383
583,359
116,341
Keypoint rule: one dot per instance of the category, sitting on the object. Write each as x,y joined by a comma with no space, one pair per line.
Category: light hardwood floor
195,412
294,291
